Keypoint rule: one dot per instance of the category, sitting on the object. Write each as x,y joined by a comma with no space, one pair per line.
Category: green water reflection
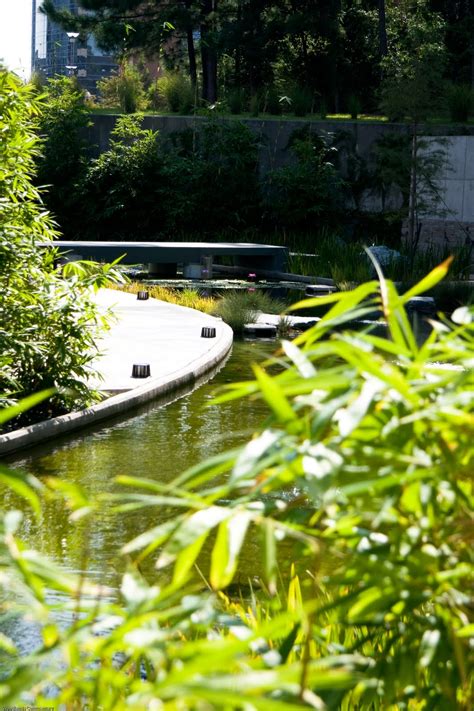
157,443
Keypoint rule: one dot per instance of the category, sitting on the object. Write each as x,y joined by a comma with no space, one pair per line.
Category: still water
158,442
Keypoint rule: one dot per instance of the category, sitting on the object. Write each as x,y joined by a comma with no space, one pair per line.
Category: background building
57,52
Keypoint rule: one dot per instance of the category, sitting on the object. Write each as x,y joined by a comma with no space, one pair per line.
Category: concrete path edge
117,404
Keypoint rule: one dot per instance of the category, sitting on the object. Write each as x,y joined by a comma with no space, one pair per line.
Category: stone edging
115,405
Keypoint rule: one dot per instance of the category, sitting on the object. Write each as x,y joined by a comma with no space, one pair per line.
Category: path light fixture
207,332
142,295
141,370
72,54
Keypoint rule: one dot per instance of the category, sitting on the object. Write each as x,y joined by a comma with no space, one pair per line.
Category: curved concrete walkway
165,336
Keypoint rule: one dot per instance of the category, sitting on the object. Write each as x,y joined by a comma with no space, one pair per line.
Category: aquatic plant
238,308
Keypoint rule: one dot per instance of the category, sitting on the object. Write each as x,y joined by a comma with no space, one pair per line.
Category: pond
158,442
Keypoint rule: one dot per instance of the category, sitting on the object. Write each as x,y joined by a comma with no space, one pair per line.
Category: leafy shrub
309,190
361,474
413,73
236,101
62,161
323,108
177,92
126,189
392,165
460,100
124,90
355,106
226,178
156,100
48,322
273,105
219,163
301,100
381,466
255,104
197,181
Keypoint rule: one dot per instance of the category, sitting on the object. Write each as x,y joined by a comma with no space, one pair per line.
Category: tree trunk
383,48
191,56
208,53
191,47
238,52
209,74
412,203
471,48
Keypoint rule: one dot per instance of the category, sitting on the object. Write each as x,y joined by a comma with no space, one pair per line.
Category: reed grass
238,308
190,298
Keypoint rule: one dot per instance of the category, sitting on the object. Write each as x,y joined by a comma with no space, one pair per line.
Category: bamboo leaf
305,367
225,554
186,543
154,536
274,396
467,631
428,646
270,555
27,403
350,417
24,485
370,601
429,281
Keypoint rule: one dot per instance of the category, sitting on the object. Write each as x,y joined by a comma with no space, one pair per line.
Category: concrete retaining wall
449,221
273,134
456,184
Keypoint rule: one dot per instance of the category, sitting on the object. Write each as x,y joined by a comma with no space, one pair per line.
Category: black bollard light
207,332
142,295
141,370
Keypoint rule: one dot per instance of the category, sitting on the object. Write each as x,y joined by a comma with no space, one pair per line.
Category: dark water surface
158,442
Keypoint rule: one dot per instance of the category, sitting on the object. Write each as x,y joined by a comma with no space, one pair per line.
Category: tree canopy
334,49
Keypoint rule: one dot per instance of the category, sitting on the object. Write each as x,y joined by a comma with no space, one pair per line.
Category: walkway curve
163,335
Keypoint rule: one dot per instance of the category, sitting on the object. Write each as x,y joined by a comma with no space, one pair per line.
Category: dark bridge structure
163,258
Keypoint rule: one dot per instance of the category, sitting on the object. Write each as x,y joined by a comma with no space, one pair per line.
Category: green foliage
346,262
62,161
360,426
273,102
332,49
355,106
354,169
177,93
224,170
411,165
125,188
236,101
460,100
124,91
199,179
361,473
237,308
413,69
255,104
48,322
301,100
392,166
309,190
323,108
